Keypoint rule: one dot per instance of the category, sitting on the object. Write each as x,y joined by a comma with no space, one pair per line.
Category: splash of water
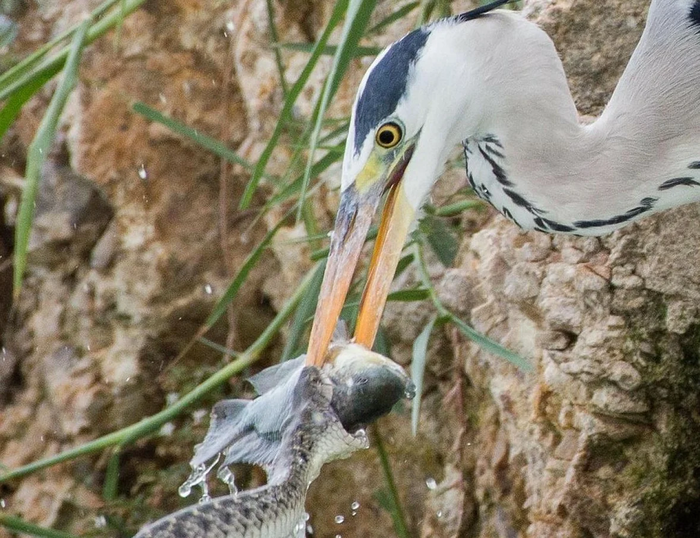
198,477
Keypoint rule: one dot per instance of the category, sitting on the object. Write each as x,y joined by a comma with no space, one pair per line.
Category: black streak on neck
695,15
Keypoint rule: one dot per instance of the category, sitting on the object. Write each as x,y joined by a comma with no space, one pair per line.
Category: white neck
505,73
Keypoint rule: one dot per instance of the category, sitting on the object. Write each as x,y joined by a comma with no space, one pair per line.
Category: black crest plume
479,11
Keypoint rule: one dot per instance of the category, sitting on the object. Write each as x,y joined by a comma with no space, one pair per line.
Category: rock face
128,258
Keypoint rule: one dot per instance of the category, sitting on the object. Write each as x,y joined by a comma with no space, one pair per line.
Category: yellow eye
389,135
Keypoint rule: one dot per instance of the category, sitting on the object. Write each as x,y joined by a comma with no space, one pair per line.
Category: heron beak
358,203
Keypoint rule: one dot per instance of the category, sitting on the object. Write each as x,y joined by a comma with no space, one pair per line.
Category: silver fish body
302,419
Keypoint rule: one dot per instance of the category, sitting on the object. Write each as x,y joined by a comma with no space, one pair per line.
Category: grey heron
492,81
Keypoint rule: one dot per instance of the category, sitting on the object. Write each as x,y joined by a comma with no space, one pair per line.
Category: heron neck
546,169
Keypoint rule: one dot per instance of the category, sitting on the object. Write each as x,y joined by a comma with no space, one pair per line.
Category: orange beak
352,223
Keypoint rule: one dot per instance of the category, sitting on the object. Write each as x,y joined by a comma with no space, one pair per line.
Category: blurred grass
314,135
39,150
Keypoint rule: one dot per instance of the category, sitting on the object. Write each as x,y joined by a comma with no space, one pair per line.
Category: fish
303,418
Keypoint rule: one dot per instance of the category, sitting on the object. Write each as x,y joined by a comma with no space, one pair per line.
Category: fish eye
389,135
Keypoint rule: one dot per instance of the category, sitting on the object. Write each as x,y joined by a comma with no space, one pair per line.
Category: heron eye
388,135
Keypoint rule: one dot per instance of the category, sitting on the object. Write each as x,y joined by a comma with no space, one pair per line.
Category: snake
304,418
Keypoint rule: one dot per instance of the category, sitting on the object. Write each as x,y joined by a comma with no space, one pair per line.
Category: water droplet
142,172
439,514
361,436
339,519
306,516
198,477
3,504
338,536
167,429
100,522
410,391
208,289
309,529
230,26
355,505
430,482
205,498
226,476
162,98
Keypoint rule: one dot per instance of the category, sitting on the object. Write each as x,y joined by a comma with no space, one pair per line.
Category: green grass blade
274,38
50,66
395,16
359,13
440,238
409,296
420,355
212,144
330,50
489,345
295,90
390,499
38,151
25,65
452,210
20,525
294,187
242,275
482,341
16,101
218,347
305,311
111,481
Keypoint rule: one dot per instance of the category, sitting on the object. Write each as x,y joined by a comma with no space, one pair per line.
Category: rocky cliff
128,258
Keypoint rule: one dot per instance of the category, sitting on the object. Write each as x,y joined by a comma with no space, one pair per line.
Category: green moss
667,476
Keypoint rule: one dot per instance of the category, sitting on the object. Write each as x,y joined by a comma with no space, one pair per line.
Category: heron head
413,106
384,135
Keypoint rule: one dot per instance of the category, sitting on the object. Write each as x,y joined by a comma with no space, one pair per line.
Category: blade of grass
153,423
482,341
16,101
409,296
329,50
395,16
20,525
305,311
27,63
359,12
274,38
111,481
218,347
441,239
420,355
294,186
242,275
50,66
457,208
38,151
212,144
396,510
295,90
